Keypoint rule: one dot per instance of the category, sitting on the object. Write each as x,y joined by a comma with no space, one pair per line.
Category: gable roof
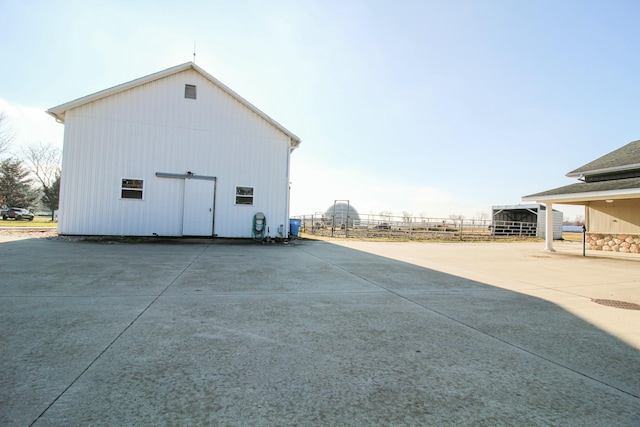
587,191
59,111
622,159
626,158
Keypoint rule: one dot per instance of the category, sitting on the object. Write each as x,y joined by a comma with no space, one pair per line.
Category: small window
131,189
190,91
244,195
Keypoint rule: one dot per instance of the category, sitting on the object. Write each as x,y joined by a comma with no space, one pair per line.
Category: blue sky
430,107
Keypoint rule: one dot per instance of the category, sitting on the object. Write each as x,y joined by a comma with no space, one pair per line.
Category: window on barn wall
131,189
190,91
244,195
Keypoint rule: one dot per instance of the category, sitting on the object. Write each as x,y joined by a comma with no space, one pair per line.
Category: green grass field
39,221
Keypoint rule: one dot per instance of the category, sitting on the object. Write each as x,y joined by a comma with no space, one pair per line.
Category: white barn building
175,153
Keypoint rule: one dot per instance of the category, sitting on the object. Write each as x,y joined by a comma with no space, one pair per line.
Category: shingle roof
624,158
584,190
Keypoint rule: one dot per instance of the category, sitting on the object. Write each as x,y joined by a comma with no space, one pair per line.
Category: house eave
582,198
603,171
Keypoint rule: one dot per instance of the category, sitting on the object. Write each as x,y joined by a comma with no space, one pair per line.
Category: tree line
31,180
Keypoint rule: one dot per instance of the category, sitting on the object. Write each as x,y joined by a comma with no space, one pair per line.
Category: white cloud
31,125
314,189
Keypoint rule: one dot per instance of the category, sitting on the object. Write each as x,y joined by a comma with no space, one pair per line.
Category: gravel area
13,233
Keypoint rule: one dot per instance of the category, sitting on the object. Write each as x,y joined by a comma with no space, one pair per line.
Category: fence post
346,226
333,219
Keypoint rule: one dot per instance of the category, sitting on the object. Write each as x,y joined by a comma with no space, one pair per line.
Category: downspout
286,229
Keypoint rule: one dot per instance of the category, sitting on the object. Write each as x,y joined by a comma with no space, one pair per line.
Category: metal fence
414,228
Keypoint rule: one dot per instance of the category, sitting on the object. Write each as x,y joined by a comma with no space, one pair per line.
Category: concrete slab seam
473,327
118,337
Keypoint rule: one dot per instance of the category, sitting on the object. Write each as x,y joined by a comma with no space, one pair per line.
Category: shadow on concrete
305,334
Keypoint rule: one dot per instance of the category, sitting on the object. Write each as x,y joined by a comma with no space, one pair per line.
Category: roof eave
295,140
577,198
59,117
59,111
603,171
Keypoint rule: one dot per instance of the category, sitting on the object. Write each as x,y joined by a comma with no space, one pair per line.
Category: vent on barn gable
190,91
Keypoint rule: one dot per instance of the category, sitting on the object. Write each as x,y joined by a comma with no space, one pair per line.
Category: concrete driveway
316,333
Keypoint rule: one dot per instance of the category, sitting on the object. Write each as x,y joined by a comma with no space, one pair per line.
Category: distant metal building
341,213
529,219
175,153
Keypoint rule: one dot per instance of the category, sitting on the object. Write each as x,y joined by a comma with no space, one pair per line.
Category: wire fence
414,228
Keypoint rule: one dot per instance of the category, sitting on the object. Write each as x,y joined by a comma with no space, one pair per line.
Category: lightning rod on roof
194,52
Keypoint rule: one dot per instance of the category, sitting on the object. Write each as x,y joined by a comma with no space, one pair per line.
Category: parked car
17,214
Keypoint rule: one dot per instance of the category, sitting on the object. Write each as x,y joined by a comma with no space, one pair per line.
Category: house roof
626,158
622,159
589,191
59,112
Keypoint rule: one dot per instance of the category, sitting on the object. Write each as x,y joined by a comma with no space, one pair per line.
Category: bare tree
482,216
578,220
457,218
6,133
385,219
43,161
406,217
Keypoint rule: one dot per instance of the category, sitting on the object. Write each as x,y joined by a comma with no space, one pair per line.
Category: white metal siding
153,128
557,224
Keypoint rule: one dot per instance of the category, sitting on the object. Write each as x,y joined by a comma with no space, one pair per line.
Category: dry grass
39,221
404,238
572,237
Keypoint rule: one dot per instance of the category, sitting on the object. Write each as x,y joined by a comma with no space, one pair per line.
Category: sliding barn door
197,219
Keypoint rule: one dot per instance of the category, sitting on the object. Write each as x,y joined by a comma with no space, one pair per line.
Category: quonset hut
341,213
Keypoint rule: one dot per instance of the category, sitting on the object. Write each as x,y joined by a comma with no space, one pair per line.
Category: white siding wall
153,128
557,224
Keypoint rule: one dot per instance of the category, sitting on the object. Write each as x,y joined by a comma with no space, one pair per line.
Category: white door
197,218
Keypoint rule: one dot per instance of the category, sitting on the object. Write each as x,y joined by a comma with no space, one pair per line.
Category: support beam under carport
548,236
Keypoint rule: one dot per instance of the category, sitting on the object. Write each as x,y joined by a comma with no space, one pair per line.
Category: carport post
548,238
